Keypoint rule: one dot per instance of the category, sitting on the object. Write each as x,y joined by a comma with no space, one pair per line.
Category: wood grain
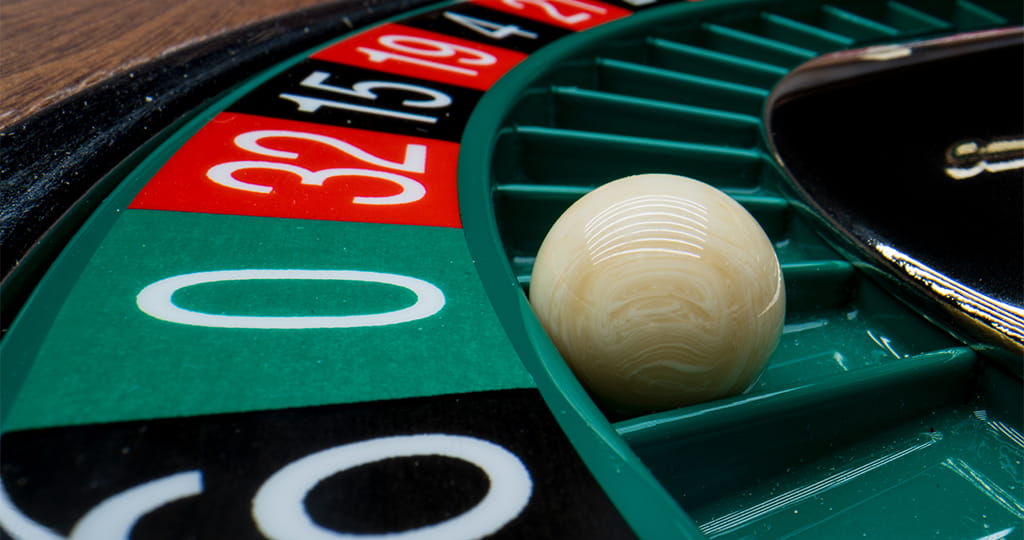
52,49
85,83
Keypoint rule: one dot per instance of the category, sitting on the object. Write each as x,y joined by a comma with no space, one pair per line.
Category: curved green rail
864,397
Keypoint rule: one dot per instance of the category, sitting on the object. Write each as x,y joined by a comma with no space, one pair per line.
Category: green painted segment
166,369
295,298
31,325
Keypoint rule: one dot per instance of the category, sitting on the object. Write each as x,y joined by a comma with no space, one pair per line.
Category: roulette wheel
299,310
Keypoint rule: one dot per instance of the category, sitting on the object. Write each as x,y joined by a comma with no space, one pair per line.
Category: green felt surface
105,360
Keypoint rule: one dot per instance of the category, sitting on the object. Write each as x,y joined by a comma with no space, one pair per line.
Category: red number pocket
255,166
403,50
571,14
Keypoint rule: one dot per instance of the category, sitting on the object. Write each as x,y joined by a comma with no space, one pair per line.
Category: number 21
551,9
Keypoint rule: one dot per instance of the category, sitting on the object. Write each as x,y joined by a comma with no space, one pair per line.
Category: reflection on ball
659,291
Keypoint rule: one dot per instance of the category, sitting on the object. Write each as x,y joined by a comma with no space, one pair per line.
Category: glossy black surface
446,122
62,473
904,162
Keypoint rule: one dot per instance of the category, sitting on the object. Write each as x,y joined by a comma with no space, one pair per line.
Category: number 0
155,300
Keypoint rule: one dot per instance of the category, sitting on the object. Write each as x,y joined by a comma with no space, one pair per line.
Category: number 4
490,29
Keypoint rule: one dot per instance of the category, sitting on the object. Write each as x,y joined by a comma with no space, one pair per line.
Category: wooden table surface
84,83
52,49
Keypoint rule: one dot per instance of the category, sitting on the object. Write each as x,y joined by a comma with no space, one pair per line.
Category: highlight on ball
659,291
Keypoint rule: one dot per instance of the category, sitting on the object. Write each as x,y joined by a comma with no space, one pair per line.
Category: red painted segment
255,166
404,50
572,14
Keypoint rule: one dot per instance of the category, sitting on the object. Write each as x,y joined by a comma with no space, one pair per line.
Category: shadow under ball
660,291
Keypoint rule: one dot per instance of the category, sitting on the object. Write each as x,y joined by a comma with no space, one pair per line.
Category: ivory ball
659,291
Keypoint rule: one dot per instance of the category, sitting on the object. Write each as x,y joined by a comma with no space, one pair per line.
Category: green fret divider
863,393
